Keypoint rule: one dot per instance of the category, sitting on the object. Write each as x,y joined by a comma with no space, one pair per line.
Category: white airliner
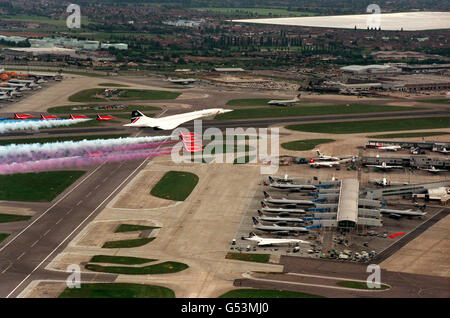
182,81
434,170
284,201
389,148
139,120
281,211
283,230
327,164
325,157
285,102
281,220
401,213
290,186
443,150
384,166
273,241
385,182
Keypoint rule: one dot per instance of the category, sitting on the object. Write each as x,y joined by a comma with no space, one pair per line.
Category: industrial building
370,69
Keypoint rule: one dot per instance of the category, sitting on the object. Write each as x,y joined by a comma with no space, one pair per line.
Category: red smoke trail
49,154
80,161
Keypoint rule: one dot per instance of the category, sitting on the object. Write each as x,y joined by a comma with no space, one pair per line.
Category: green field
131,228
352,127
69,109
259,258
128,243
266,293
3,236
411,135
435,101
243,160
36,187
359,285
6,218
123,260
249,102
298,111
308,144
88,95
112,85
218,148
59,139
117,290
175,185
161,268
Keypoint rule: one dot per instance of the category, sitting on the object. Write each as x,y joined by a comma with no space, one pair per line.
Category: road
24,255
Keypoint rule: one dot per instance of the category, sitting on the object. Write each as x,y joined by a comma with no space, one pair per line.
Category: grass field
218,148
243,160
117,290
435,101
259,258
36,187
298,111
3,236
266,293
123,260
359,285
249,102
69,109
411,135
308,144
112,85
55,139
6,218
351,127
175,185
128,243
88,95
131,228
160,268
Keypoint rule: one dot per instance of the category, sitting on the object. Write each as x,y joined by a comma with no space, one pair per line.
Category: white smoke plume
37,124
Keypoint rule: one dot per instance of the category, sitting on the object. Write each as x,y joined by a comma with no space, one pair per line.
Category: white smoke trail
37,124
14,149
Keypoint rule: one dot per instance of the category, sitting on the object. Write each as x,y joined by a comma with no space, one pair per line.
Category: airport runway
24,255
244,123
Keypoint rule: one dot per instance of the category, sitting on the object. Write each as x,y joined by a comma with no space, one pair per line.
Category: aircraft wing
168,123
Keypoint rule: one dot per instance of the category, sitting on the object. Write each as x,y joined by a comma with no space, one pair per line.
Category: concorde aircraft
139,120
272,241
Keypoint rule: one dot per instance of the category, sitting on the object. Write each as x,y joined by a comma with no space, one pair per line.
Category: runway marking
59,220
79,225
89,194
81,201
48,231
69,211
97,186
20,256
105,179
51,207
34,243
4,271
